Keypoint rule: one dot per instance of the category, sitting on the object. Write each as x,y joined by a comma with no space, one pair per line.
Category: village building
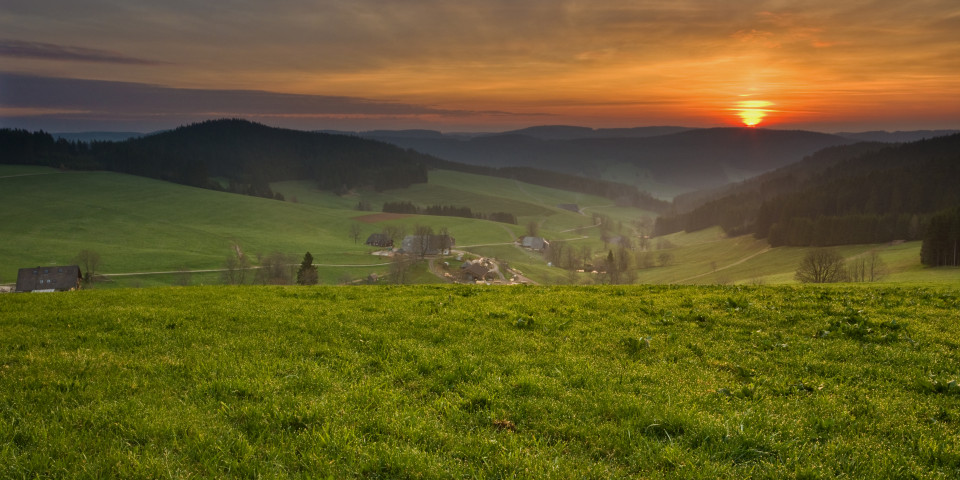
573,207
49,279
534,243
379,240
475,272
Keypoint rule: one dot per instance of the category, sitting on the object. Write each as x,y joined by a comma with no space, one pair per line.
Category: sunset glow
752,112
367,64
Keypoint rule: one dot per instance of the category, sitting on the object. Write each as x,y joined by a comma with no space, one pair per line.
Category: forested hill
248,155
873,195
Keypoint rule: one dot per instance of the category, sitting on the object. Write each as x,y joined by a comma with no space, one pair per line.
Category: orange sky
464,65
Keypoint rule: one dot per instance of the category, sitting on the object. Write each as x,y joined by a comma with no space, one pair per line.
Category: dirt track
380,217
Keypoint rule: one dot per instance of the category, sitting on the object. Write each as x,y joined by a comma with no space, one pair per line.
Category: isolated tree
275,269
625,265
821,265
446,240
665,258
400,268
307,273
613,269
421,242
876,267
866,268
533,228
89,261
235,268
355,232
395,232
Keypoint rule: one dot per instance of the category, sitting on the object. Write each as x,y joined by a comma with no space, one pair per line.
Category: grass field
143,225
140,225
456,381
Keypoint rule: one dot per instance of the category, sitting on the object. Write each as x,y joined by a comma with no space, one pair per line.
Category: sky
464,65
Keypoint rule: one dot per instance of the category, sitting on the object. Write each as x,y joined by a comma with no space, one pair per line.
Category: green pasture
482,382
143,225
139,225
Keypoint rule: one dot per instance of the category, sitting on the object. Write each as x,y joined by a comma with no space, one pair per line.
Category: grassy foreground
453,381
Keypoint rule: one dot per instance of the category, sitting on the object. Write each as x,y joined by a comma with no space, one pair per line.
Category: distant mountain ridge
98,136
566,132
898,136
684,160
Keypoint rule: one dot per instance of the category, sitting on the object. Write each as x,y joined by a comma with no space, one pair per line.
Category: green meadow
152,233
468,382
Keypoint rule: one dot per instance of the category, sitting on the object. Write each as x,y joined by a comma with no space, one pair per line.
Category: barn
49,279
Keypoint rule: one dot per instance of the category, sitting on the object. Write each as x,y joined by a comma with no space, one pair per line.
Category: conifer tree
307,273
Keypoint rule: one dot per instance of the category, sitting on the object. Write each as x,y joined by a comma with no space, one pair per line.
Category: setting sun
752,112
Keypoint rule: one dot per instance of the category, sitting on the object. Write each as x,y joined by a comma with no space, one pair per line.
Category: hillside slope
867,192
144,225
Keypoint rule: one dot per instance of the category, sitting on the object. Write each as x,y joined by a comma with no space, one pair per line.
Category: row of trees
447,211
824,265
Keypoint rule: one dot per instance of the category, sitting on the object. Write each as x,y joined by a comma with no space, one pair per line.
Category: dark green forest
844,195
244,157
247,155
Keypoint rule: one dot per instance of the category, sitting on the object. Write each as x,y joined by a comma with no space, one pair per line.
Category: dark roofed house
573,207
476,272
49,279
379,240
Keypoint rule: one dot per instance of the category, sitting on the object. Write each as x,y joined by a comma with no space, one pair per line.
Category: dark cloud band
123,99
50,51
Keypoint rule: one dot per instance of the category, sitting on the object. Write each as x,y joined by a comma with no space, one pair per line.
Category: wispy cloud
50,51
49,94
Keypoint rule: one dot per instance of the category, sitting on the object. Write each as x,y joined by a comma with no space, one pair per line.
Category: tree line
941,241
447,211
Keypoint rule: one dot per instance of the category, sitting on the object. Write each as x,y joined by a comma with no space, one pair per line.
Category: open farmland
153,233
456,381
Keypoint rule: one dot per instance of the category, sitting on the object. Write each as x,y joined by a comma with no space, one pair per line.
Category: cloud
50,51
125,98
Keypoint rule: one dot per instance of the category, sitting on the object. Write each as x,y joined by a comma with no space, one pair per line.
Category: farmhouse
573,207
534,243
475,271
428,244
49,279
379,240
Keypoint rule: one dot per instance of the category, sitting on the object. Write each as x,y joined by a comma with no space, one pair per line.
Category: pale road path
214,270
734,264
